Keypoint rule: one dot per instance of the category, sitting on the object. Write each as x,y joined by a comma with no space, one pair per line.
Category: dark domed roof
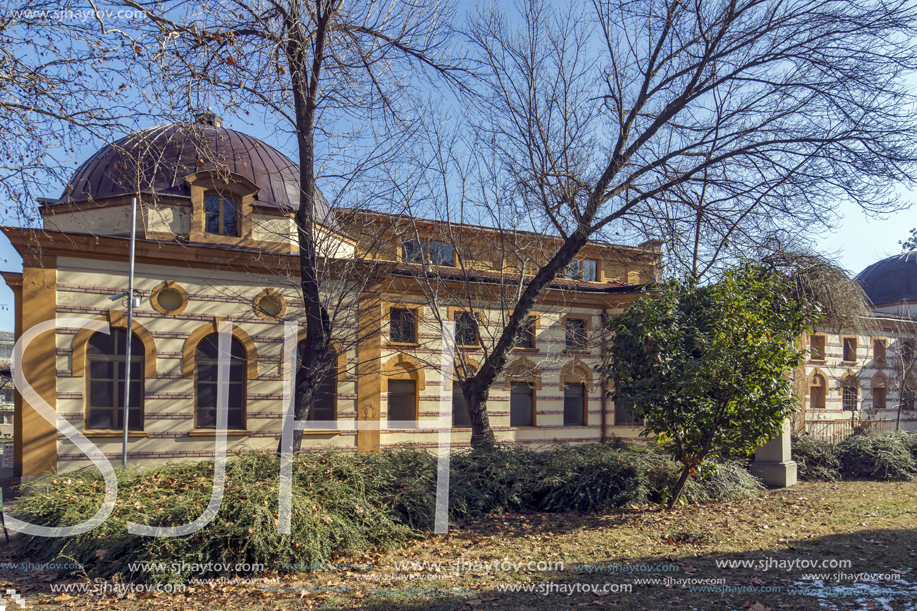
891,280
159,158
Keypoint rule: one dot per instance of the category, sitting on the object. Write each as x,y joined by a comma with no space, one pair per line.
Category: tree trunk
314,359
478,386
676,491
482,436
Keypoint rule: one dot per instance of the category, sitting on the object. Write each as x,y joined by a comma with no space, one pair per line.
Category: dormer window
222,215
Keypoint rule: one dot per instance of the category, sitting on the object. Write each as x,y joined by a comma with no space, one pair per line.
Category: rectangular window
441,254
575,333
412,251
879,397
575,270
521,405
402,326
221,214
817,347
466,329
574,404
402,400
583,269
850,349
323,405
878,350
850,398
625,417
460,415
527,339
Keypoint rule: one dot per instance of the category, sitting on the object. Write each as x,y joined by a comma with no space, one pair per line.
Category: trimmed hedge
885,457
343,503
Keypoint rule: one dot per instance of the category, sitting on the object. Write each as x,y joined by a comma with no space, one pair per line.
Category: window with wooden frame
466,329
879,350
583,269
522,404
527,335
206,367
818,388
402,326
412,251
402,401
574,404
324,403
576,333
221,214
850,349
419,252
817,347
850,395
879,387
441,254
105,356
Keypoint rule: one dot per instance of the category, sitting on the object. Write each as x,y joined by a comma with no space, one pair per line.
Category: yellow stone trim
190,347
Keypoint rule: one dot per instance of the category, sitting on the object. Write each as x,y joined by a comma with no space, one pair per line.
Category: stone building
852,376
216,240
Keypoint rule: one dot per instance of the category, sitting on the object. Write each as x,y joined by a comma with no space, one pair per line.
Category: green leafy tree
707,366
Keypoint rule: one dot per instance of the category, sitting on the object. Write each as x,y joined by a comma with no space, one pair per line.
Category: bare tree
602,113
343,78
63,84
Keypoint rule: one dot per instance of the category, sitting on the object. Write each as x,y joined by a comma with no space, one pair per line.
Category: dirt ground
823,546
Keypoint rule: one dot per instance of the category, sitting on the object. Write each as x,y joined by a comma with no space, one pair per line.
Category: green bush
885,457
343,503
816,460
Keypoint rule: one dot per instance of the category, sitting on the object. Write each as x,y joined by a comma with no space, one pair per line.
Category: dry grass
872,524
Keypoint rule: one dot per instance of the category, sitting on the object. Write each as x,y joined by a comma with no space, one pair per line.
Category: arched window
205,384
817,391
324,403
105,354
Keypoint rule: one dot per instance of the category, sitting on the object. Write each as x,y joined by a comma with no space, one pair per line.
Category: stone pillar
773,461
369,369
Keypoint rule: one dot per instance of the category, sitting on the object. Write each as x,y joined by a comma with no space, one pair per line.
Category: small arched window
105,356
206,363
817,390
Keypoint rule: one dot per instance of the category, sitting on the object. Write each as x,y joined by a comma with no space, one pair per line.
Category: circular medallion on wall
270,305
169,298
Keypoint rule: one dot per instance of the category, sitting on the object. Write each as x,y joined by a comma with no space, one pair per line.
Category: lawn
855,528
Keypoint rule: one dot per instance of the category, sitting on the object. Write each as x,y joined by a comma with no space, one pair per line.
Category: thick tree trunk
482,437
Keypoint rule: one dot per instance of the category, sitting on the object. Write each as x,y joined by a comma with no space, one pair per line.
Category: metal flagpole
130,315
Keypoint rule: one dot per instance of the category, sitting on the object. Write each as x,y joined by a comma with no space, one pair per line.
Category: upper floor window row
422,251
